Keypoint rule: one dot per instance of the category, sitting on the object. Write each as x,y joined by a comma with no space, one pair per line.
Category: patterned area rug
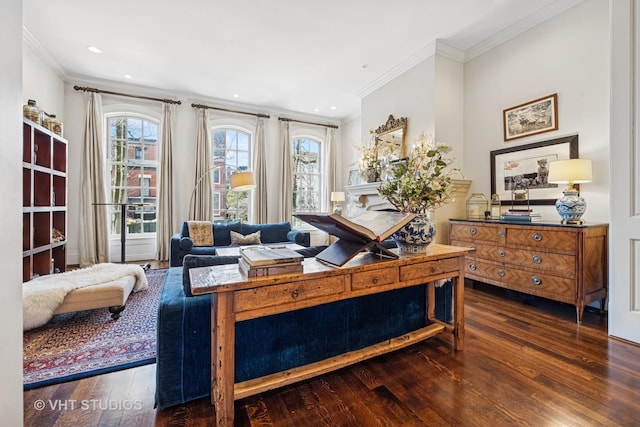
86,343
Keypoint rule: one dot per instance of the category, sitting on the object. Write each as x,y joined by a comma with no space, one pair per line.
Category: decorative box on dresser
44,201
560,262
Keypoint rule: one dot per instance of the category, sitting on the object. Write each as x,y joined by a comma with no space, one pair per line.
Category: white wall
409,95
41,83
11,405
567,55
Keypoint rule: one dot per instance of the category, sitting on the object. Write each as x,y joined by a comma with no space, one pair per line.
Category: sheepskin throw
43,295
201,232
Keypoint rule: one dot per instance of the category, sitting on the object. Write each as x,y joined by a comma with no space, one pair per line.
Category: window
307,196
231,153
145,184
133,157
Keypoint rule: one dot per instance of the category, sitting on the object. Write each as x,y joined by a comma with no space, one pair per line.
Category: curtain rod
284,119
266,116
93,89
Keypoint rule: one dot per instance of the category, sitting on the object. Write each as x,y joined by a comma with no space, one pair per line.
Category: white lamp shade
337,196
576,171
242,181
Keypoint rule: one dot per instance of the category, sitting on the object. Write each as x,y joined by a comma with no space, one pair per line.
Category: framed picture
354,177
526,167
531,118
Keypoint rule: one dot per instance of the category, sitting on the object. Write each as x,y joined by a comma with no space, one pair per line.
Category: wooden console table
236,298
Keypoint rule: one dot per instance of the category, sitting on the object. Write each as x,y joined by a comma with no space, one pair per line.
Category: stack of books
264,261
521,215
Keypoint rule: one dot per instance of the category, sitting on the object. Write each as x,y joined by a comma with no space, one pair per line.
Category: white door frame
624,254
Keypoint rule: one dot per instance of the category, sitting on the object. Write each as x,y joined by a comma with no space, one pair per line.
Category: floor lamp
238,182
242,181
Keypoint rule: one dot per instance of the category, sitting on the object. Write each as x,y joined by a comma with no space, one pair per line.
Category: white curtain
260,206
94,228
286,186
164,207
201,203
330,167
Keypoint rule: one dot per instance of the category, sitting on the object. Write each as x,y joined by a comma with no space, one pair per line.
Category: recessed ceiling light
235,95
333,107
127,76
316,109
94,49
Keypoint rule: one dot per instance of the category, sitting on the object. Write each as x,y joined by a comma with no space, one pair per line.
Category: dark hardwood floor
525,362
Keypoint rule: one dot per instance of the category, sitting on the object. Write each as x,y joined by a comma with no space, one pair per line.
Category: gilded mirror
393,132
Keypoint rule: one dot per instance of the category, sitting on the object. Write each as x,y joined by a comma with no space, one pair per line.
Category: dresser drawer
378,277
540,260
474,232
288,292
552,240
416,271
541,283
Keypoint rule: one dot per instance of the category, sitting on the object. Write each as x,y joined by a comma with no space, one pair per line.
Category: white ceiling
297,55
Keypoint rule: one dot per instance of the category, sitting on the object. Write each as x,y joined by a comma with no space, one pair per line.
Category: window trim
321,154
133,112
222,124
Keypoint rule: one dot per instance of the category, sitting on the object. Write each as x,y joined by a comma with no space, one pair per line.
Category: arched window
231,153
307,162
133,159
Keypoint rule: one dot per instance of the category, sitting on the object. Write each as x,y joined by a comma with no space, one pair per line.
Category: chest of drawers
565,263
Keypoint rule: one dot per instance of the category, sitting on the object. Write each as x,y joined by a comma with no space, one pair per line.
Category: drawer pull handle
537,237
501,273
535,280
537,259
473,231
294,294
433,269
472,267
375,280
501,252
501,233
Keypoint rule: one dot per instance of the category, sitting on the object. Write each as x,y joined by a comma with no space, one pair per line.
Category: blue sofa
181,243
273,343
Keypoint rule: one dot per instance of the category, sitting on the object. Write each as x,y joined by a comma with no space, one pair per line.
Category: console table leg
431,301
222,352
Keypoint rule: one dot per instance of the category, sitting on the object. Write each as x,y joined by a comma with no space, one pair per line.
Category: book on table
285,268
521,216
265,256
364,232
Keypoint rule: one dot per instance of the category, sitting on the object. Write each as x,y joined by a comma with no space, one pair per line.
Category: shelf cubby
44,201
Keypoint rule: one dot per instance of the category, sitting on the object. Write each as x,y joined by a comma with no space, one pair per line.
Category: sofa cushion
201,233
249,239
221,232
269,233
194,261
186,244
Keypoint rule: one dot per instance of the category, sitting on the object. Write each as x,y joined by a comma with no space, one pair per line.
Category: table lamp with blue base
571,206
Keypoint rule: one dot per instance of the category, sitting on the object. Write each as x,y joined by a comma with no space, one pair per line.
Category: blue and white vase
570,207
416,235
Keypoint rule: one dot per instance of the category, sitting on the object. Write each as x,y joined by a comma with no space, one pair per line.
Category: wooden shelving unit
44,201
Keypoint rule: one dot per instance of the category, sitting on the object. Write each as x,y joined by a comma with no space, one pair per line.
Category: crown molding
525,24
30,40
436,46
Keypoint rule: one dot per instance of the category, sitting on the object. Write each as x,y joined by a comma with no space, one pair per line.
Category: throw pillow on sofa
249,239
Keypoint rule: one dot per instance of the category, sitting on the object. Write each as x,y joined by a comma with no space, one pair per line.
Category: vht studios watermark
87,405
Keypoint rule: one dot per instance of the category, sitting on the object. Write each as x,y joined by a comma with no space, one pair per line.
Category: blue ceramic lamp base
570,207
